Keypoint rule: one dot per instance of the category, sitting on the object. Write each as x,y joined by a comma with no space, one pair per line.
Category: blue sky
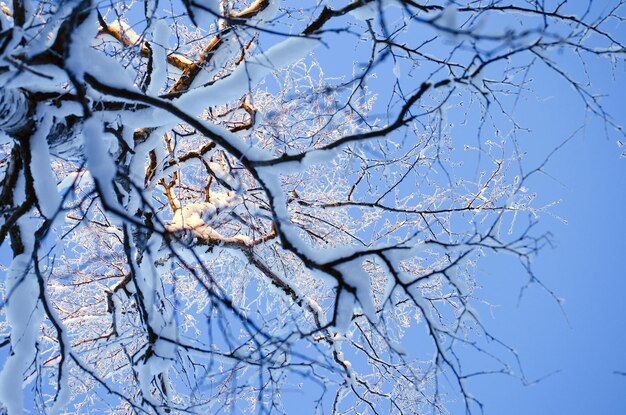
585,268
581,346
575,350
585,345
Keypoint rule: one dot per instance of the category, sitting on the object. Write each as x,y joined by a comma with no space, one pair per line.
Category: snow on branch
211,203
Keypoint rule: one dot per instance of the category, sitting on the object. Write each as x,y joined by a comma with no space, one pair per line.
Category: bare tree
205,216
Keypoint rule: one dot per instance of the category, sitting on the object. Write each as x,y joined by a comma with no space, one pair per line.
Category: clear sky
575,349
581,346
586,269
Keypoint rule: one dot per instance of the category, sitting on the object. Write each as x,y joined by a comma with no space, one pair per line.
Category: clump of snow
354,275
97,143
23,316
266,15
344,311
159,57
368,11
150,7
373,9
99,161
84,58
248,74
44,180
396,68
122,27
197,217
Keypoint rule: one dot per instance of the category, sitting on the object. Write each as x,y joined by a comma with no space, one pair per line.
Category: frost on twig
206,211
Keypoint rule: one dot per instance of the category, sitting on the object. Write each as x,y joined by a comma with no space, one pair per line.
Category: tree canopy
220,205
